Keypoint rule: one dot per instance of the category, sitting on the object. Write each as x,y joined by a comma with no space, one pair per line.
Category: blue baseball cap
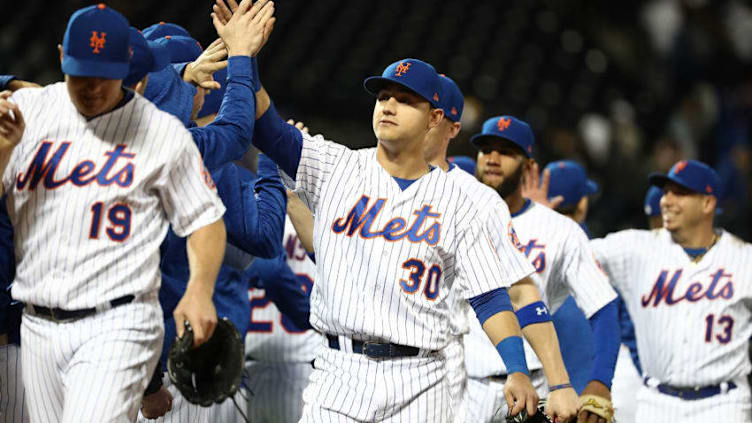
148,56
653,201
162,29
213,100
182,49
569,180
463,162
96,44
167,90
691,174
451,97
413,74
506,128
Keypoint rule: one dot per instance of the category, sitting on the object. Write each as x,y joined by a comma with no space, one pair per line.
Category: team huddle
386,284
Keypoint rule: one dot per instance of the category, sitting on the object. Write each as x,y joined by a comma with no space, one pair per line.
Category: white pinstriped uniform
13,406
564,264
279,354
692,320
497,220
386,276
88,220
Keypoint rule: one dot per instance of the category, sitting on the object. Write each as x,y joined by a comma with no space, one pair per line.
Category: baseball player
280,348
397,337
254,216
627,378
146,57
690,310
563,404
83,172
558,249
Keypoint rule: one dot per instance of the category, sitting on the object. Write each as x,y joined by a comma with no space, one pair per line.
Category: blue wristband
513,354
536,312
557,387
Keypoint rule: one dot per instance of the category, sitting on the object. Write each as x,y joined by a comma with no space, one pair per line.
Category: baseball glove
539,417
211,372
598,405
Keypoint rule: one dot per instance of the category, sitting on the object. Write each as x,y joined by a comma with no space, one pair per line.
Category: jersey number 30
414,281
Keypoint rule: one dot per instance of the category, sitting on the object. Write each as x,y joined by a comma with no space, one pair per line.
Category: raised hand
200,72
300,125
537,190
247,29
12,124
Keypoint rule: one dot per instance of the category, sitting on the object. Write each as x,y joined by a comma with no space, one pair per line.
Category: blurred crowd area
626,88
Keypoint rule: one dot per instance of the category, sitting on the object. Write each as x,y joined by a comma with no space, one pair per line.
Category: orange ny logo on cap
708,189
503,123
435,96
402,68
97,41
454,110
680,166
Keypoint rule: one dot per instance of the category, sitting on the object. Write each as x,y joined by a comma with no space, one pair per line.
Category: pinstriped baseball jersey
559,251
498,221
386,257
691,318
90,199
272,336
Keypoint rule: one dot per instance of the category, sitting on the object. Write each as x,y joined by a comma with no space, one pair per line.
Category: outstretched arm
494,311
535,321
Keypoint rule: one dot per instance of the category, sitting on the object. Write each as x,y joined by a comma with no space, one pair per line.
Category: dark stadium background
625,88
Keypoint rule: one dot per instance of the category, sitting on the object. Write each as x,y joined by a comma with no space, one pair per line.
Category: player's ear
60,49
455,129
435,117
140,86
709,204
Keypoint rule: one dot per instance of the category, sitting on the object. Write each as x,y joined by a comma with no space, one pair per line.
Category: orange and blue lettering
663,289
43,168
362,216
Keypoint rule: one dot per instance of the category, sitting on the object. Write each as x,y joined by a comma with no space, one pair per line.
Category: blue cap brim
591,187
94,69
659,180
374,84
480,140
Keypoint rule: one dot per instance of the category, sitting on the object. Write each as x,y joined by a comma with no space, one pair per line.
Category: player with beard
559,251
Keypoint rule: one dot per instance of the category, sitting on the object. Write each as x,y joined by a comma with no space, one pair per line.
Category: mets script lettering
361,217
43,168
721,286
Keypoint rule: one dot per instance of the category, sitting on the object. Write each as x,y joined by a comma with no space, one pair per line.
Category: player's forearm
206,249
263,101
302,220
542,337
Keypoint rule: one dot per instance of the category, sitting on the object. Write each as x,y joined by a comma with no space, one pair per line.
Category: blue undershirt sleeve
490,303
279,140
228,137
605,325
5,80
